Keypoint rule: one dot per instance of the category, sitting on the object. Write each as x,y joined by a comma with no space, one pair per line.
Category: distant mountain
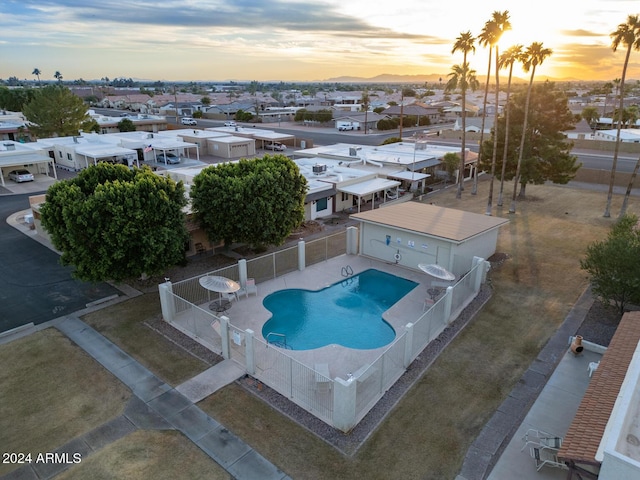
432,78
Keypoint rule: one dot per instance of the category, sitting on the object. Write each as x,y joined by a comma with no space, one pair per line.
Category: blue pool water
347,313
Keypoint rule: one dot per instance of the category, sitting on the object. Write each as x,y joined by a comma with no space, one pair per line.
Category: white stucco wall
412,247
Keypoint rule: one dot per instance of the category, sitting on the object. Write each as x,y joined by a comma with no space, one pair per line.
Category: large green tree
258,201
545,150
56,112
114,223
14,99
613,265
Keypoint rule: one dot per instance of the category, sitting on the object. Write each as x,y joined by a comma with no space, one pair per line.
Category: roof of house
585,433
447,223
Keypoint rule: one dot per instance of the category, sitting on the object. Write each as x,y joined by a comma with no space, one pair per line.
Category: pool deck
249,312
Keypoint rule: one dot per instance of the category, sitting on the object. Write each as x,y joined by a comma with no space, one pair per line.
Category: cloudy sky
295,40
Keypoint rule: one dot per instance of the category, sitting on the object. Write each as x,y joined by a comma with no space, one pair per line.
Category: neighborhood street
34,287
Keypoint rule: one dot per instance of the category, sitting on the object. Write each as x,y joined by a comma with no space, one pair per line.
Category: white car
188,121
20,176
230,124
275,146
169,158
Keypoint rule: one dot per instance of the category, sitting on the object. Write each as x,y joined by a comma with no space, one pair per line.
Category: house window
321,204
60,154
345,196
69,156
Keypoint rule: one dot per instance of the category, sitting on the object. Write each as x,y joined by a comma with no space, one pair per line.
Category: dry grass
123,324
165,455
50,392
427,435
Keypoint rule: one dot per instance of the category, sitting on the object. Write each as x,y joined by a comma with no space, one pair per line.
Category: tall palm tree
464,43
462,78
627,34
607,87
534,55
37,72
500,24
507,59
58,76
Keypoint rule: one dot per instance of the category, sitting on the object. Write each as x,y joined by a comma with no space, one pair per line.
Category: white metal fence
300,383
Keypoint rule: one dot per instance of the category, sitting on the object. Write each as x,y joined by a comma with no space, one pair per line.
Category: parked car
168,157
343,128
275,146
21,175
188,121
230,124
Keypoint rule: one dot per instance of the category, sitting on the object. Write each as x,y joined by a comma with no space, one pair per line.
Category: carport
111,153
412,178
371,187
166,144
26,160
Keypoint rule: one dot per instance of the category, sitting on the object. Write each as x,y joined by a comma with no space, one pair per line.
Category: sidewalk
154,405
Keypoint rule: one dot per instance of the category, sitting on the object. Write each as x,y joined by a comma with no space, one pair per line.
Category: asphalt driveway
34,287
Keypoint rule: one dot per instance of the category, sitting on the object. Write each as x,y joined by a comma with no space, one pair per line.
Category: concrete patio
552,412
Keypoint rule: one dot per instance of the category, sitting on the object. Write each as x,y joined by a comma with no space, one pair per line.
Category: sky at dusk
265,40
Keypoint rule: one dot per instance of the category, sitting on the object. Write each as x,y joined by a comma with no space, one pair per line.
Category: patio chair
540,438
250,287
546,456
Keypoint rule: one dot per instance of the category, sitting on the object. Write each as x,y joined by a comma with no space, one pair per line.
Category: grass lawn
427,435
161,455
51,391
123,325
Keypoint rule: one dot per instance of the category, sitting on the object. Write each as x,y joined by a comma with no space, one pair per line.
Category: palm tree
607,87
627,34
591,116
499,24
37,72
464,43
462,78
58,76
507,59
533,56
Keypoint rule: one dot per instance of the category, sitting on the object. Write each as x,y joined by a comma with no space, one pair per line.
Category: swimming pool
347,313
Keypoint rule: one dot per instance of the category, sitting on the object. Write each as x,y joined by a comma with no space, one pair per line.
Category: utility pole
401,110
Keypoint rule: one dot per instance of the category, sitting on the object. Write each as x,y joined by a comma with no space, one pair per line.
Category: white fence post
480,271
167,302
352,240
249,351
224,334
344,404
301,255
242,272
448,302
408,345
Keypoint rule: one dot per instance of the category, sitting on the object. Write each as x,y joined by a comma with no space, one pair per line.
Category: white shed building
411,233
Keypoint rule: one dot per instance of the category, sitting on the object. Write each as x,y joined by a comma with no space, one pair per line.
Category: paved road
34,287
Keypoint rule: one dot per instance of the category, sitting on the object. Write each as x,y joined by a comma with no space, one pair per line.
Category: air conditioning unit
353,151
319,168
